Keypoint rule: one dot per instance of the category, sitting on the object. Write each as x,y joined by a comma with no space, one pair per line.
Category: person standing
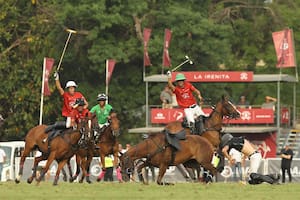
2,161
166,97
109,166
236,163
287,156
184,95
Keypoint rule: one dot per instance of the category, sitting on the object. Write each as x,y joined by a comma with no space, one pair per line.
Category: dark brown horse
62,148
85,153
159,153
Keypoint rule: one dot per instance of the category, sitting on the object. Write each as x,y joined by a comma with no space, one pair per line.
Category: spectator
109,166
121,150
287,156
2,161
166,97
270,103
236,163
128,146
243,103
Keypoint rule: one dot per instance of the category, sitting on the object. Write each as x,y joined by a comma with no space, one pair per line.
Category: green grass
182,191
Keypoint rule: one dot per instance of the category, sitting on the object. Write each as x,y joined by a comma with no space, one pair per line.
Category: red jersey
184,96
68,102
77,116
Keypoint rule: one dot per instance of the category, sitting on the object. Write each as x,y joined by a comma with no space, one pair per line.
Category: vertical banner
48,64
166,56
45,91
146,34
110,65
284,46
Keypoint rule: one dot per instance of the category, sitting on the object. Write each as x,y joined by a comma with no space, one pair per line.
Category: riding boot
56,126
201,124
192,128
259,178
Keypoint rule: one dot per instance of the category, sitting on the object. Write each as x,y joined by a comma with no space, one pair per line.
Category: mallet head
71,31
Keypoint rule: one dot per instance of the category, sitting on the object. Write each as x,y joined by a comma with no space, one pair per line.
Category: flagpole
42,93
106,80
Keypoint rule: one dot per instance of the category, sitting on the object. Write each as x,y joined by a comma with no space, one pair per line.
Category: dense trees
217,34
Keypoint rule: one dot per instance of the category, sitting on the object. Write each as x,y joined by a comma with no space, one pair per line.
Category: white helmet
71,84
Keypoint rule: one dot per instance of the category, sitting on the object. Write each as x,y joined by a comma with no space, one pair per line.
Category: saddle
173,139
55,130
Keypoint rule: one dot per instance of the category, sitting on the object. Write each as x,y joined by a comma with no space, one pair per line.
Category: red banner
248,116
110,65
147,34
285,116
48,64
284,46
217,76
166,56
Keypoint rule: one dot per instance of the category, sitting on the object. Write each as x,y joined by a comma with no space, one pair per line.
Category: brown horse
62,148
212,127
107,143
160,154
85,153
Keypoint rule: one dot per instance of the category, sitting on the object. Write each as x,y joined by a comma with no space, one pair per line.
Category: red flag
110,65
48,64
284,46
166,57
147,34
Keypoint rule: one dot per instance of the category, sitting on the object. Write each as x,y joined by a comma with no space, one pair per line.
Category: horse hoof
71,179
65,179
55,184
81,181
29,180
89,182
98,179
17,181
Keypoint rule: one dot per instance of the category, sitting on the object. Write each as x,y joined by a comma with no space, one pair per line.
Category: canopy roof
257,78
242,129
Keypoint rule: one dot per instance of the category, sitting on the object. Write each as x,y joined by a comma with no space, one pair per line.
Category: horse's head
114,124
127,166
227,108
85,127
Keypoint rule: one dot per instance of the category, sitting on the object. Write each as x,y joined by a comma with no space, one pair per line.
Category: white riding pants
255,161
193,112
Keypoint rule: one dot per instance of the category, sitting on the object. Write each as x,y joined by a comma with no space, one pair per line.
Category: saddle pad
173,139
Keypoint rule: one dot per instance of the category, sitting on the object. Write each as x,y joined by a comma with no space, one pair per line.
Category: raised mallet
187,60
65,47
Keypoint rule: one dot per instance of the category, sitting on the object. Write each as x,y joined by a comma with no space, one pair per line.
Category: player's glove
56,76
169,74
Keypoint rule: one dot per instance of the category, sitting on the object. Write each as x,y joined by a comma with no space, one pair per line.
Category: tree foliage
216,34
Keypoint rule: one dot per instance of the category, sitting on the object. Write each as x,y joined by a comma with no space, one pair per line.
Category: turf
182,191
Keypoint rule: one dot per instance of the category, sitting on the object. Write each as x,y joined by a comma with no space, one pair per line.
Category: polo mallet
187,60
65,47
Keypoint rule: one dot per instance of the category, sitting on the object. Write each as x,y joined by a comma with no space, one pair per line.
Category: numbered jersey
184,96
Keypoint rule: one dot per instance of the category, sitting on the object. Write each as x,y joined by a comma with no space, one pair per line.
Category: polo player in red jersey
69,98
79,112
184,95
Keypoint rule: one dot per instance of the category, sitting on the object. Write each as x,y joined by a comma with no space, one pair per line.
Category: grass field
182,191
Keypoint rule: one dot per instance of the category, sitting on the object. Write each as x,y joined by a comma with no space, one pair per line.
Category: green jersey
102,113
